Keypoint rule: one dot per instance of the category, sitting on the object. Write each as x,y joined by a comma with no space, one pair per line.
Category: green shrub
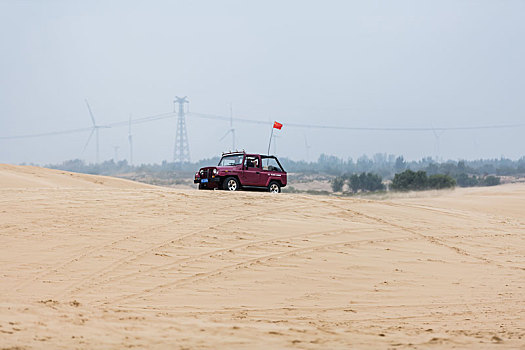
463,180
354,182
371,182
365,182
440,181
490,181
409,180
338,183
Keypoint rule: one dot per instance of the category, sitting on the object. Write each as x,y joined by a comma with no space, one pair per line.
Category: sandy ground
92,262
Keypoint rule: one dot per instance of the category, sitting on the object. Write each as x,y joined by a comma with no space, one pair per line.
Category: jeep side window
251,162
270,164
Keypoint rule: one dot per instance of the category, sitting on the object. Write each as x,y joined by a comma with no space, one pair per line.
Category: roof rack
234,152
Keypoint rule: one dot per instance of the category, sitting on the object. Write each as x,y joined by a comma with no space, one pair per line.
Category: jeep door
251,171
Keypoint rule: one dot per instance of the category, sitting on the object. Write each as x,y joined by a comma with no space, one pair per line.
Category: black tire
274,187
231,184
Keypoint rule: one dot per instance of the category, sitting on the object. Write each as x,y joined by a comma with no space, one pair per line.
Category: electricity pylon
181,153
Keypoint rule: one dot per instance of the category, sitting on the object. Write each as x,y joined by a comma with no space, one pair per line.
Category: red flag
277,125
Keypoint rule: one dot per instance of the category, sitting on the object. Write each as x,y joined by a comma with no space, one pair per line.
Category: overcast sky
349,63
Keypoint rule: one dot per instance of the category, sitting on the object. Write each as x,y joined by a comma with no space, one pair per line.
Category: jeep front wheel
231,184
274,187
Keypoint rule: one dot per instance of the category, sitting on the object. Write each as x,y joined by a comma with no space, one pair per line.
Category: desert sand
92,262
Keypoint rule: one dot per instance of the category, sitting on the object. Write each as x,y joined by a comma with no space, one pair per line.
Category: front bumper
213,179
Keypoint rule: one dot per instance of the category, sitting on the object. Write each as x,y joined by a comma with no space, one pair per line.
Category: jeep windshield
231,160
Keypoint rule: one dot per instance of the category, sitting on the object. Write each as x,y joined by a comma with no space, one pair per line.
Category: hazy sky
353,63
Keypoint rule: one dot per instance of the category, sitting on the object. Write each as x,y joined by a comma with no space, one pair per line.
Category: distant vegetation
384,165
409,180
387,166
364,182
465,180
364,174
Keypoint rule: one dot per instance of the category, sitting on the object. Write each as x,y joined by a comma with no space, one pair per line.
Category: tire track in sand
431,239
203,275
77,286
77,257
214,252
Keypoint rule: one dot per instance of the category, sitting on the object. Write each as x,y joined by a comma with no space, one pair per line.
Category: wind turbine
94,130
116,148
437,135
130,139
307,146
232,130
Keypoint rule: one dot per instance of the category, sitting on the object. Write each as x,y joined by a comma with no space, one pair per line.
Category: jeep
238,170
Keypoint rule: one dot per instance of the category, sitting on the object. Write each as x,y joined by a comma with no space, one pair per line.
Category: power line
72,131
144,119
220,117
339,127
162,116
477,127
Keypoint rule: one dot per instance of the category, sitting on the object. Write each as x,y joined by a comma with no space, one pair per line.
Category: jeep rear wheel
231,184
274,187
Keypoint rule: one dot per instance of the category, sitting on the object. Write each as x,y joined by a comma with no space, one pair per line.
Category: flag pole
269,143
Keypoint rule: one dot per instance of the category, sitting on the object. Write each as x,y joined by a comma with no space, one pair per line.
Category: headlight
215,171
201,172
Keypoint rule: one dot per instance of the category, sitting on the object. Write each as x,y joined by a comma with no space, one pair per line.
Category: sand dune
14,176
96,262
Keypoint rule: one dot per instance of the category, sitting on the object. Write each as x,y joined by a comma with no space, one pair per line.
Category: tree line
408,180
387,165
382,164
364,174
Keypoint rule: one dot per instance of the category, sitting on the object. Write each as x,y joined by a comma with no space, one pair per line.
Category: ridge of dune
28,176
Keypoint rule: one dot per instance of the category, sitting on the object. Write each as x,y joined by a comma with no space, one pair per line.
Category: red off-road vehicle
238,170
